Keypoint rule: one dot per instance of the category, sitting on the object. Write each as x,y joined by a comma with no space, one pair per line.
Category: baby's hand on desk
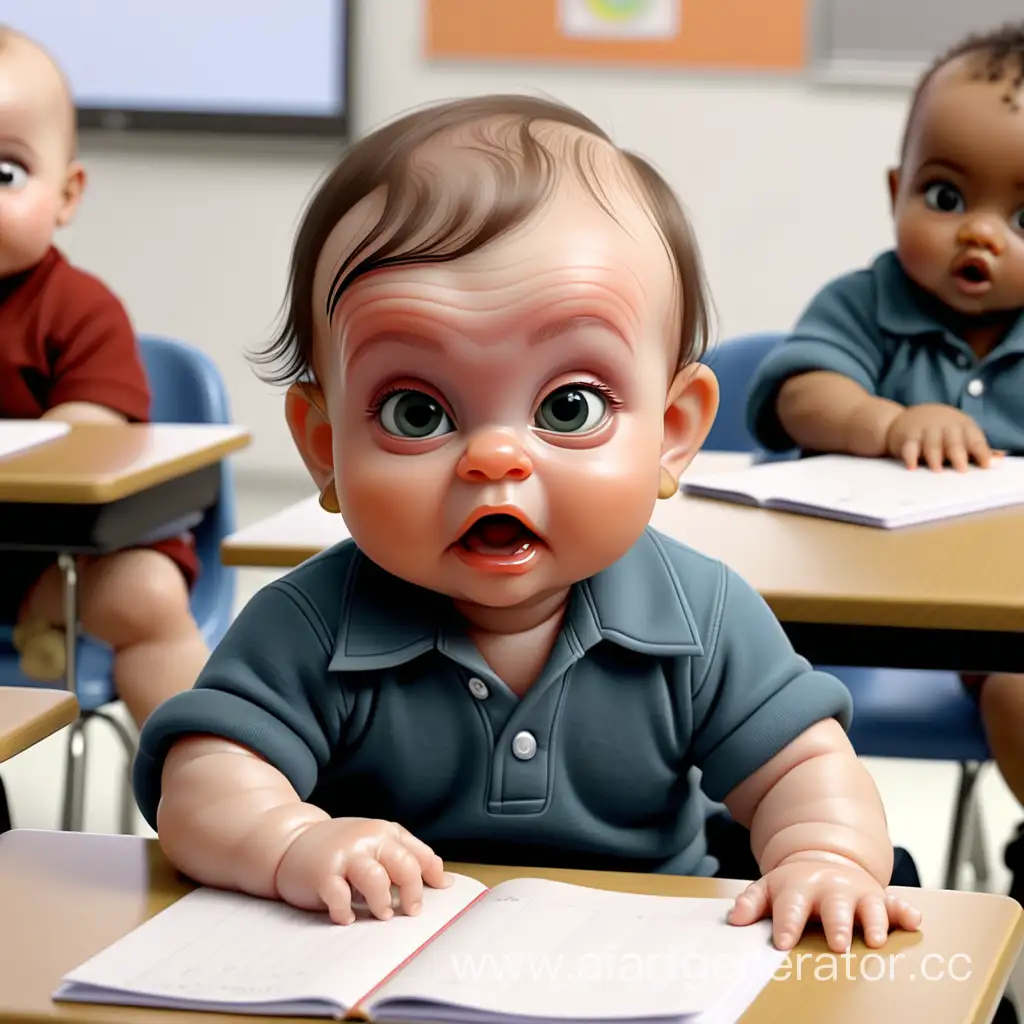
334,863
937,434
840,895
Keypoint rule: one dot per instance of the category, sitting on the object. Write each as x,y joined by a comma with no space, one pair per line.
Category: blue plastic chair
919,715
187,388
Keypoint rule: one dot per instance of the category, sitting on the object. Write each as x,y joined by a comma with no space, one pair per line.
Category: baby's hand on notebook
937,434
347,861
840,896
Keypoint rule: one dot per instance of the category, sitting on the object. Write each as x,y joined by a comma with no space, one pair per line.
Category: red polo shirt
65,337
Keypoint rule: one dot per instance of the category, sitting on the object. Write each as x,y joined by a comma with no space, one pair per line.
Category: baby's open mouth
497,535
973,271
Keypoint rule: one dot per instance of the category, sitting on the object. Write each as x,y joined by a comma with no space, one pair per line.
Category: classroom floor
918,796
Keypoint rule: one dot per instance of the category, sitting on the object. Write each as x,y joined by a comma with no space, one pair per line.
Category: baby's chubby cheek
389,499
605,500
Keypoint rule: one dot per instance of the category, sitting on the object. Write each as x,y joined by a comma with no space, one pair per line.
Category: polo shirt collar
903,309
637,603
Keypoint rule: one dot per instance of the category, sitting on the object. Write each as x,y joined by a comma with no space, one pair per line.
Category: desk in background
104,487
29,715
73,894
932,596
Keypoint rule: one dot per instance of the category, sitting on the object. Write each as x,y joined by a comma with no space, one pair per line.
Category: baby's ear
306,412
893,179
690,411
71,194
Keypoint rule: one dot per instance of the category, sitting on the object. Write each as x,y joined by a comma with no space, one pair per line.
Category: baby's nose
982,233
494,454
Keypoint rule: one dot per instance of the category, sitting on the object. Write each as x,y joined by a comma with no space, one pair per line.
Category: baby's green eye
1017,220
572,409
414,415
12,174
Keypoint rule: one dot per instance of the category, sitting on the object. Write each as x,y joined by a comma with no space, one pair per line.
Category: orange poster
745,35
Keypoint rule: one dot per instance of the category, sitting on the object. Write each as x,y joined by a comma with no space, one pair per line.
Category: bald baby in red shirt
68,352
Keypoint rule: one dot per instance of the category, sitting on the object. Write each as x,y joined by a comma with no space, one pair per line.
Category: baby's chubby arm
819,834
83,412
230,820
825,411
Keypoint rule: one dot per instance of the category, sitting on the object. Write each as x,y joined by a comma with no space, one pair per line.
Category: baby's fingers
751,905
902,914
979,448
910,453
791,909
404,870
337,897
933,449
956,450
369,877
837,920
874,919
431,866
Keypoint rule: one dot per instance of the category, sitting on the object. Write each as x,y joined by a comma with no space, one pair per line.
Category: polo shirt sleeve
264,687
838,333
753,694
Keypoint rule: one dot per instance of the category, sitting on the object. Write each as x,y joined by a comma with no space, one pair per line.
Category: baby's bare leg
1002,710
138,603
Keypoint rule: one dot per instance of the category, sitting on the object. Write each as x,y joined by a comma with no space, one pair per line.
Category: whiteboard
261,64
893,41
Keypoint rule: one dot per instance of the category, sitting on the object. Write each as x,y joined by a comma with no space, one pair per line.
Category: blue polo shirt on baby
367,693
879,328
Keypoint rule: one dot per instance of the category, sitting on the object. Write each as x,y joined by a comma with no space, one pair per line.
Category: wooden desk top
71,895
99,463
285,539
959,574
962,573
28,715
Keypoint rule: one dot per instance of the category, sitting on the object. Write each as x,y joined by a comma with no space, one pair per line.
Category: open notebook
528,949
868,492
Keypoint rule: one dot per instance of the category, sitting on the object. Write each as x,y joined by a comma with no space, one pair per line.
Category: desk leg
69,570
74,779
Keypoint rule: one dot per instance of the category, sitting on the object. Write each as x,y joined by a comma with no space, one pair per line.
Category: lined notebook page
557,951
17,436
234,949
879,488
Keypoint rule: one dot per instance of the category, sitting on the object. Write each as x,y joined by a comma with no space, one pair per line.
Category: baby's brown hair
522,170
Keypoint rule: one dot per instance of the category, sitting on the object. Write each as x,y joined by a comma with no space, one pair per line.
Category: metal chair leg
961,821
979,846
127,808
69,570
73,813
127,802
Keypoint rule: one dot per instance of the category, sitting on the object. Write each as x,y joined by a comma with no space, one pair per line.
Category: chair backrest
187,387
735,362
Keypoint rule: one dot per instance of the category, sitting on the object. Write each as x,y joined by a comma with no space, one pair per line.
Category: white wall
785,182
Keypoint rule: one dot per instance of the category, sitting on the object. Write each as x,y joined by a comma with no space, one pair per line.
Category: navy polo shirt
877,327
367,694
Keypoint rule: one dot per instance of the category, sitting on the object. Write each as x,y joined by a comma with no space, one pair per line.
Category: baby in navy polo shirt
493,341
920,356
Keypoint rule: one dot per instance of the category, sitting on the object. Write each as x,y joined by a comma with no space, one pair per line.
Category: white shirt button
962,361
975,388
478,688
524,746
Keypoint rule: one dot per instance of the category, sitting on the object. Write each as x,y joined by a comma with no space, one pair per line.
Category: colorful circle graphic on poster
617,10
